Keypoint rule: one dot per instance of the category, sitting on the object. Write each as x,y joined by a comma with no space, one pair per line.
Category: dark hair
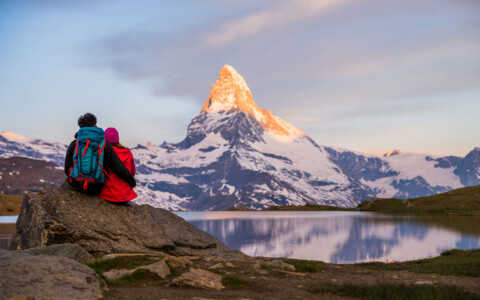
87,120
118,145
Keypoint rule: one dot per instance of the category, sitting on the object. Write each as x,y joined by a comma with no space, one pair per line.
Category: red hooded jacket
114,188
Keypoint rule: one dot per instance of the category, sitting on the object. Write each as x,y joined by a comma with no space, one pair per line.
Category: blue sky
368,75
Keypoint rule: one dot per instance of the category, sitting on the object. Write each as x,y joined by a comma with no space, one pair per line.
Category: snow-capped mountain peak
11,136
392,153
231,93
12,144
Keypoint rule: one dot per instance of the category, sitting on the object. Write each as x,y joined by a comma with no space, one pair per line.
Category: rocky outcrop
62,215
19,175
27,276
71,251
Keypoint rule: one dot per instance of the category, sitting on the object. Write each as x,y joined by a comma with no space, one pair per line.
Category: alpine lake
337,237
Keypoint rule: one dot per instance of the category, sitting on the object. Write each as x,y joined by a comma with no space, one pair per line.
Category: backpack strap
76,147
86,147
86,181
74,156
100,150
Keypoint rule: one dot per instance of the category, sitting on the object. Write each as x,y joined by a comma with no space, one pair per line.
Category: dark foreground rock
71,251
46,277
62,215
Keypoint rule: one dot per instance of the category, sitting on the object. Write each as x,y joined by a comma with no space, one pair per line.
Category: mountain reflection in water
335,237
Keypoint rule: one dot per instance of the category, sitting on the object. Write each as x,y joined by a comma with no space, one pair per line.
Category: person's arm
112,162
69,158
133,164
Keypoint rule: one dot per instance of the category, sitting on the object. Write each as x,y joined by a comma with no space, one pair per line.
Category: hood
123,154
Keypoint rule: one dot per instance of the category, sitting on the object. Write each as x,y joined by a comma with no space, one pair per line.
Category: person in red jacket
114,188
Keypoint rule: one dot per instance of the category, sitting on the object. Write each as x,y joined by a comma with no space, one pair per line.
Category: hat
111,135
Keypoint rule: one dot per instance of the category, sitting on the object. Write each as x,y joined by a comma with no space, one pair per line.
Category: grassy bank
10,204
452,262
459,202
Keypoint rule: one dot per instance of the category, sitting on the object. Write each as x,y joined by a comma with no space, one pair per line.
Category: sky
369,76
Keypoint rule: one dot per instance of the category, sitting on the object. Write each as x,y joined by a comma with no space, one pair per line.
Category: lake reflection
335,237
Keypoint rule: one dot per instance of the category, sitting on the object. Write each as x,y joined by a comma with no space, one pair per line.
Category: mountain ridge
236,154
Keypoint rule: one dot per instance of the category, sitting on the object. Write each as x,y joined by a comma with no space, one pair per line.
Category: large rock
46,277
62,215
71,251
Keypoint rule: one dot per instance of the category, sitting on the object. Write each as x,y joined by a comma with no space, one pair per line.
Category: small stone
115,255
334,280
198,278
229,265
217,266
160,268
116,273
423,282
178,261
213,258
279,264
256,266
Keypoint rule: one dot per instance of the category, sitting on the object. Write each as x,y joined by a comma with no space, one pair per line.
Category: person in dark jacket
110,161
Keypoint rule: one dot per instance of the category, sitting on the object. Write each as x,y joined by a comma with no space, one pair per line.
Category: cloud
305,59
274,18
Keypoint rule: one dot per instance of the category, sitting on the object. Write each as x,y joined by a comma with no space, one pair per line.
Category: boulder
71,251
198,278
26,276
63,215
279,264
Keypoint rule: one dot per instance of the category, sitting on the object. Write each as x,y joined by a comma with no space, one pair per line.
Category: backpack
88,156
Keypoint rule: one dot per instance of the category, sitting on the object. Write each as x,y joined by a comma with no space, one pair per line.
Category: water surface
338,237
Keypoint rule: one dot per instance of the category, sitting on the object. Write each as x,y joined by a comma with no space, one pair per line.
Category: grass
142,276
452,262
305,266
234,283
396,292
173,271
461,202
10,204
139,276
121,262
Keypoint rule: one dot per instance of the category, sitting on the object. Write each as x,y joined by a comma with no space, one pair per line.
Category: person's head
111,136
87,120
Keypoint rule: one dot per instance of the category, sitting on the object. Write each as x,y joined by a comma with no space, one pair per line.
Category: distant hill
463,201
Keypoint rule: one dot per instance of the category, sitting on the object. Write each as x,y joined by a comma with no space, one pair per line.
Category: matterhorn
236,154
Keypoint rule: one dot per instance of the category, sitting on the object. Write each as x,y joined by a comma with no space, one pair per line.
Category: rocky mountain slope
409,175
21,174
237,154
12,144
